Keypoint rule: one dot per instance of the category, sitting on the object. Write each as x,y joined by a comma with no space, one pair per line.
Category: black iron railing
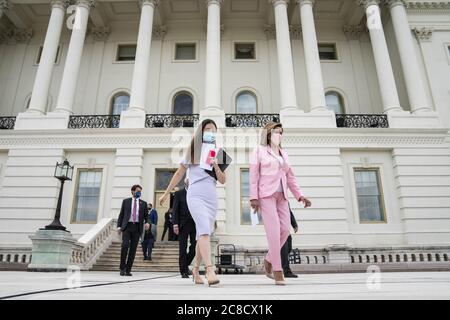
7,123
94,121
171,120
362,121
240,120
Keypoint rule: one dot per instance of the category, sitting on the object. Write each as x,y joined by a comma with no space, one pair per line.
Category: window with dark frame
327,51
185,51
245,211
87,196
126,52
244,51
370,196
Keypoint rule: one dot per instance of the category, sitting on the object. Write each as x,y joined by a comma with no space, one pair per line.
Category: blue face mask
209,137
137,194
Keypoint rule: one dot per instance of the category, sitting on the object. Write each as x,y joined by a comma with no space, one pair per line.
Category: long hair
195,148
266,134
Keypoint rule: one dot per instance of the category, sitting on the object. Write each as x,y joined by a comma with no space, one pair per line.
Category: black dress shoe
122,272
128,274
185,275
290,275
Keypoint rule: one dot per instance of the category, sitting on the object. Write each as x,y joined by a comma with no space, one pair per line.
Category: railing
400,255
171,120
362,121
240,120
94,121
91,246
7,123
15,258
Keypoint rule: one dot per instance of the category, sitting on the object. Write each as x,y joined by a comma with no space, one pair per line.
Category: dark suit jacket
125,214
180,209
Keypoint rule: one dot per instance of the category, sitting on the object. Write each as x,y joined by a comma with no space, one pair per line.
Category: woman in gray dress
201,197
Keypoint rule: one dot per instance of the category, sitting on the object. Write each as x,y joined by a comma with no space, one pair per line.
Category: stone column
414,81
312,60
4,6
140,73
213,99
288,96
383,65
68,87
43,78
134,117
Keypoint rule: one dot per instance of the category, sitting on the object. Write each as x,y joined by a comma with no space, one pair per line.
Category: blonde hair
266,134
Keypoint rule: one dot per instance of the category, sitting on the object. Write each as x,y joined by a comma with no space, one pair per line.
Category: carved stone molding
428,5
295,31
423,34
100,33
87,139
354,32
22,35
159,32
155,3
269,30
5,35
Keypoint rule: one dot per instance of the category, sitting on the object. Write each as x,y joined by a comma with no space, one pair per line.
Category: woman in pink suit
270,178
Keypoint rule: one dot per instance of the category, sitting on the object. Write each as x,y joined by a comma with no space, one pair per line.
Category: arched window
120,102
335,102
183,103
246,102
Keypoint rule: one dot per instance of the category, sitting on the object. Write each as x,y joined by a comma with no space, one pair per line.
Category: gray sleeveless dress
201,198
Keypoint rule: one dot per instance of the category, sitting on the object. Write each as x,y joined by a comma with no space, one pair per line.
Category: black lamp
63,172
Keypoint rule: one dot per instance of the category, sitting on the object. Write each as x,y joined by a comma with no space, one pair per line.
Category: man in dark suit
286,250
133,215
184,227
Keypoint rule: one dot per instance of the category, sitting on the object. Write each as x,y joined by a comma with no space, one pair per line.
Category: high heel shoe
279,278
196,275
268,269
213,279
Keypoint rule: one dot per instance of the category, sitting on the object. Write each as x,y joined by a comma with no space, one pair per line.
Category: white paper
254,217
206,147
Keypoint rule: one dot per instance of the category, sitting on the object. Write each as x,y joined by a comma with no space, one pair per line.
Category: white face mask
275,139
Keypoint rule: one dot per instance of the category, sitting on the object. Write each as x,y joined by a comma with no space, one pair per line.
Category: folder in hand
223,160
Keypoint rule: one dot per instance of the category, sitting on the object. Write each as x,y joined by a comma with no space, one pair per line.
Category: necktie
134,210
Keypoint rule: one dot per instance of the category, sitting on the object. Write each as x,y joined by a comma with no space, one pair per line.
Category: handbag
224,161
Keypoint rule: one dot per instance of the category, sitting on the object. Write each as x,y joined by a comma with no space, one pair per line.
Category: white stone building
366,107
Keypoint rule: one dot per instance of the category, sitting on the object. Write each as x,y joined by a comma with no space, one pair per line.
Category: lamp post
63,172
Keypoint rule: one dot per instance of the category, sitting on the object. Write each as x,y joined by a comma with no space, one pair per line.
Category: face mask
137,194
275,139
209,137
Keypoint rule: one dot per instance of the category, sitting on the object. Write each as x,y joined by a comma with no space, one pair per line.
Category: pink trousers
276,219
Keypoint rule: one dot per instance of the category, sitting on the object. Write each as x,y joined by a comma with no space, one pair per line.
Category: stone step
165,262
164,258
140,269
157,257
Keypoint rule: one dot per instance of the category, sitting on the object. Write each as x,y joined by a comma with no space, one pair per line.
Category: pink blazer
265,174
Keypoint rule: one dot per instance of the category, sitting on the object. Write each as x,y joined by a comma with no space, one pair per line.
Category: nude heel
196,275
268,269
213,280
279,278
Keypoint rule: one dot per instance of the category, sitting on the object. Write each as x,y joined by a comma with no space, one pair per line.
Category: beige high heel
268,269
213,280
196,275
279,278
